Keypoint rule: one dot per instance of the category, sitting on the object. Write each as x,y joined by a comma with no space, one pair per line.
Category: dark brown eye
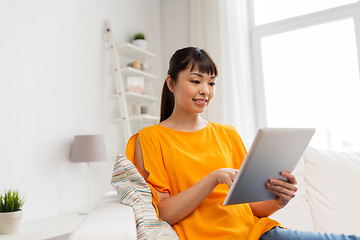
195,81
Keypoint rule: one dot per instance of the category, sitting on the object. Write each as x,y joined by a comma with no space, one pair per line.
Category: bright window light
274,10
311,79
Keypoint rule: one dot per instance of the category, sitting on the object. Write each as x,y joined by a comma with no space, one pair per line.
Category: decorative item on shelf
137,64
144,110
88,148
136,109
11,204
139,40
143,66
136,84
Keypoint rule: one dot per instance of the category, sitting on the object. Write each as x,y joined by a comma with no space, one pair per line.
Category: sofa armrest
108,220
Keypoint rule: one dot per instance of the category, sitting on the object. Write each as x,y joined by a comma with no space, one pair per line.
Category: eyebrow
200,75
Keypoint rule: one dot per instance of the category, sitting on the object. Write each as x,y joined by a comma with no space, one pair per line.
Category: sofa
328,200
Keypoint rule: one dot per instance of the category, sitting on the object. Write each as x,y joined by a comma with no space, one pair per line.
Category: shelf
144,117
141,118
46,228
129,71
135,52
136,96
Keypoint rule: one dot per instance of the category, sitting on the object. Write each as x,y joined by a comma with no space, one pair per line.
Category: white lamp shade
88,148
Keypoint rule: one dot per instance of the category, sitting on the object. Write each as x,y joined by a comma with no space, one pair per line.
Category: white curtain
221,28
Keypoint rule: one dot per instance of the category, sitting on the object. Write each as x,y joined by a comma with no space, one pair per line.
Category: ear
170,83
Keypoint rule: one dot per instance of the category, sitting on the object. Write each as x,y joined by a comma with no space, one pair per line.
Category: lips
201,102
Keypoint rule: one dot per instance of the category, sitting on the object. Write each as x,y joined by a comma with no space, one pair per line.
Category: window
306,70
273,10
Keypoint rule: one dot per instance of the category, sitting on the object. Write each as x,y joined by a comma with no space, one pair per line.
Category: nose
204,89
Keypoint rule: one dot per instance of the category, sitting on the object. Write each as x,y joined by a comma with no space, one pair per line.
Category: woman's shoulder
149,129
224,127
153,132
229,132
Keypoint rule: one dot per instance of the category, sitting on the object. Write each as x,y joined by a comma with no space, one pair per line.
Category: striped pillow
134,192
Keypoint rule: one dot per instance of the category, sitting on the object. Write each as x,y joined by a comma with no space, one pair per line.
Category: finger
283,184
280,194
228,182
234,173
282,198
278,190
289,176
231,173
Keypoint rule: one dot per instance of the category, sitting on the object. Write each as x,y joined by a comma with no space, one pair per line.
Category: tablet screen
273,150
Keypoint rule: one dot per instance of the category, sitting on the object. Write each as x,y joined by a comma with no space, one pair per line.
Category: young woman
190,163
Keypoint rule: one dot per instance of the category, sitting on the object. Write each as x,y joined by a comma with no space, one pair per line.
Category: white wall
54,85
175,28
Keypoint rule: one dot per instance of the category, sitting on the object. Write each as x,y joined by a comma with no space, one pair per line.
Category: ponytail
167,103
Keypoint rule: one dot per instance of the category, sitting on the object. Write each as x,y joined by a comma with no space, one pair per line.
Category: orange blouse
176,160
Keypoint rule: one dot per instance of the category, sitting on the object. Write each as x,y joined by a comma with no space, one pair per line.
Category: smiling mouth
200,102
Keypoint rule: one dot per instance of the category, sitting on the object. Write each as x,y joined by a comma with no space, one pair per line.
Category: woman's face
193,90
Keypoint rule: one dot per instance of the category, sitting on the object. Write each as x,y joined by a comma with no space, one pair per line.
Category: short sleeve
153,161
239,149
151,150
241,143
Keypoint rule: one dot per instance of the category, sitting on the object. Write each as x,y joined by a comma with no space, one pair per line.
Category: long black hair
182,59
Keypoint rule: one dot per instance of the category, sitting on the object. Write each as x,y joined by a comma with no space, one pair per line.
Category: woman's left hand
285,190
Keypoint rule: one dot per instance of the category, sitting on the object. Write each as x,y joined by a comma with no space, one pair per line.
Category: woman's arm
265,208
175,208
285,191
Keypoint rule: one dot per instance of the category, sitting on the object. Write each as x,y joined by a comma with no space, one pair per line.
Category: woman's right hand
225,176
173,209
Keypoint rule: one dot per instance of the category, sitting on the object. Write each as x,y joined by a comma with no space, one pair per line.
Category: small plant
139,35
11,201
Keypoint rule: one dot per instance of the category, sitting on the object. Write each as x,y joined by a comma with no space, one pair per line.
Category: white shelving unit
132,51
137,110
46,228
128,71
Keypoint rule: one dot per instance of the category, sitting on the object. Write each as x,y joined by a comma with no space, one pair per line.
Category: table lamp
88,148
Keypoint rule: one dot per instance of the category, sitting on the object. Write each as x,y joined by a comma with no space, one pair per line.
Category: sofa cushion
107,220
333,189
134,191
297,214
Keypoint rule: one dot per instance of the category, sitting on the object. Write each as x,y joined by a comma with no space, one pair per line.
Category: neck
184,121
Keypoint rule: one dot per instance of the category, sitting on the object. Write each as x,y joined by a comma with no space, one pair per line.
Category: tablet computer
273,150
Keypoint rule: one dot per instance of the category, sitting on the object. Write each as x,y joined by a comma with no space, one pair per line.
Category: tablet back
273,150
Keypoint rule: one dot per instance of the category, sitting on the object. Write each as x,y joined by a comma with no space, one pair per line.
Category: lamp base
85,210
